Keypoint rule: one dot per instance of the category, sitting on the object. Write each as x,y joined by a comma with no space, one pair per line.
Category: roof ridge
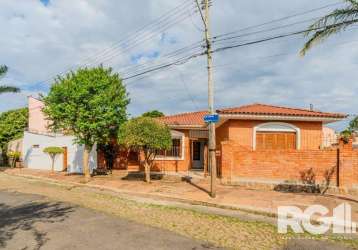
291,108
279,106
185,113
243,106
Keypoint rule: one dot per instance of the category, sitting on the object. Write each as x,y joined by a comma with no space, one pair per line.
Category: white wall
34,157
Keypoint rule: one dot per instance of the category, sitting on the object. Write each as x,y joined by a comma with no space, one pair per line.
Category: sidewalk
174,189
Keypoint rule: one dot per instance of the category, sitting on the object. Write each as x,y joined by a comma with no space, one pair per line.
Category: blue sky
42,38
45,2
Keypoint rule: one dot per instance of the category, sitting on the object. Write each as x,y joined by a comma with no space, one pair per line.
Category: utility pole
212,140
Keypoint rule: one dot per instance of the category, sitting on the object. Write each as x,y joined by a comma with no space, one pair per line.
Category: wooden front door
197,155
65,163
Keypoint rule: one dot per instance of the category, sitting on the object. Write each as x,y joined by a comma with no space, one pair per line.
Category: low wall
277,166
132,162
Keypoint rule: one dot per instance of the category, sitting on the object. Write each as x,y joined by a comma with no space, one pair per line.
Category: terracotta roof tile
263,109
185,119
197,118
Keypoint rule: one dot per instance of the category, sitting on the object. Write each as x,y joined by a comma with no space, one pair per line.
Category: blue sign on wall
211,118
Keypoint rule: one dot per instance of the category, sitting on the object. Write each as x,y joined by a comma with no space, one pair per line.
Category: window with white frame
176,151
276,135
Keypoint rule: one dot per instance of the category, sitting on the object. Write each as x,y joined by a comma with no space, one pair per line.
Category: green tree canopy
153,114
12,126
89,103
147,135
332,23
53,150
6,89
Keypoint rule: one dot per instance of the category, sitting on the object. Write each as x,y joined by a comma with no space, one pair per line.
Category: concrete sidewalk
174,189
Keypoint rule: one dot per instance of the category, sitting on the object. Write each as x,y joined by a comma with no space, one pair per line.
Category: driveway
32,222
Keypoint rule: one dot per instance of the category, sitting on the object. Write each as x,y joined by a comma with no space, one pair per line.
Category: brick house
257,142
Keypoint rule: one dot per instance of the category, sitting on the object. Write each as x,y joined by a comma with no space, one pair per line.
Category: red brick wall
133,164
348,164
176,165
280,165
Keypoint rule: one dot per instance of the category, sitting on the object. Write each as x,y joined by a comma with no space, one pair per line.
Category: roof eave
173,126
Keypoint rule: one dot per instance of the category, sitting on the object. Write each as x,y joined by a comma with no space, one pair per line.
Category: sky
43,38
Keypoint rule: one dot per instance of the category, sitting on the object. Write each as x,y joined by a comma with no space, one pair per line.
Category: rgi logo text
299,220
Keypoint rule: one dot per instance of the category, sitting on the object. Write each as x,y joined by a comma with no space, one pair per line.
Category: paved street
31,222
91,219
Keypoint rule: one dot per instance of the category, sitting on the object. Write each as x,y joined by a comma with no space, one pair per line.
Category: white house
38,137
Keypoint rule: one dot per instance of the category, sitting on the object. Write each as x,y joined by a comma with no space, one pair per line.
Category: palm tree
335,22
6,89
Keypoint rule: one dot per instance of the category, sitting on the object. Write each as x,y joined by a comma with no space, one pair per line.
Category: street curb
71,185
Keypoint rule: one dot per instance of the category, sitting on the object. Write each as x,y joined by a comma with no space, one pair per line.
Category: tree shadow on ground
139,176
23,217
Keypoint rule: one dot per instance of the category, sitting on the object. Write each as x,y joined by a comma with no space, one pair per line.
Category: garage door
275,140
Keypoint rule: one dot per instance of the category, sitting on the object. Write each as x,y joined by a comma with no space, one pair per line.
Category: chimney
311,107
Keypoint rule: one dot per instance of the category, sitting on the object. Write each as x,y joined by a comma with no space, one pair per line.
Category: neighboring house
355,139
253,127
38,137
330,137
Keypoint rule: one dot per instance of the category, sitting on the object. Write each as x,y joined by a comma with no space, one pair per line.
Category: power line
216,40
280,19
178,62
186,2
277,55
282,36
257,32
264,31
184,60
179,12
147,37
143,67
142,40
186,88
197,44
146,26
270,29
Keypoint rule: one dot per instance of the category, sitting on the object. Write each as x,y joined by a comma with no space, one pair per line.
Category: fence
278,166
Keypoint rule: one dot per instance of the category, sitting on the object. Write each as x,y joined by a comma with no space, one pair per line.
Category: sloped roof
263,109
186,119
197,118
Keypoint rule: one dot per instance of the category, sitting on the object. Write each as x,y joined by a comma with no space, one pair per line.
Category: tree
6,89
53,152
353,125
153,114
348,132
12,126
89,103
333,23
13,156
146,135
